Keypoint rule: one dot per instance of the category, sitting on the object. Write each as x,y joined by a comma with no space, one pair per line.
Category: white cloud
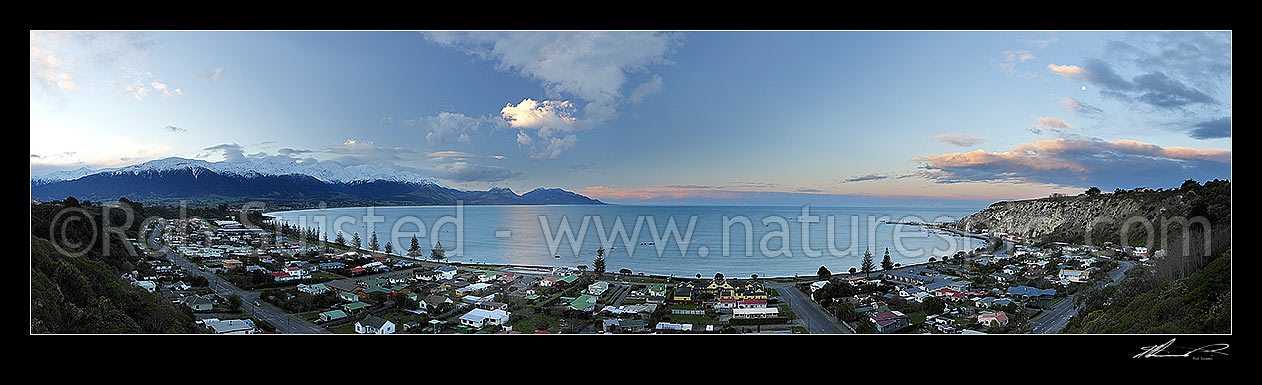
545,115
1067,71
650,87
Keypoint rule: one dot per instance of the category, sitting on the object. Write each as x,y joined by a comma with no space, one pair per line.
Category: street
1055,318
285,323
816,320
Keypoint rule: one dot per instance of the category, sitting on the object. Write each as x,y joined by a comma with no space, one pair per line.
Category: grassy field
535,322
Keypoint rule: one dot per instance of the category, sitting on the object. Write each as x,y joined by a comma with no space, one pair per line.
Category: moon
1084,88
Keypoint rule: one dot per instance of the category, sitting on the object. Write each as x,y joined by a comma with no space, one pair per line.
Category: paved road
816,320
285,323
1050,321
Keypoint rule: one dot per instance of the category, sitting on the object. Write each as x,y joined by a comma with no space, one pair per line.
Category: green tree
823,273
1093,191
886,263
355,241
867,265
234,302
845,311
415,249
934,305
389,248
864,327
438,253
599,264
340,240
372,242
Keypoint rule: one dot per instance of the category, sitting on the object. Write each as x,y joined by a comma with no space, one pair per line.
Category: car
256,303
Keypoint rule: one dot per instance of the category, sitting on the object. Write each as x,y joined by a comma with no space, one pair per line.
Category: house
348,296
1078,276
887,321
751,304
657,290
491,305
480,317
231,264
598,288
673,326
763,312
232,326
477,288
374,325
149,286
993,319
432,301
332,315
818,285
353,307
198,303
548,282
584,302
315,289
447,272
682,293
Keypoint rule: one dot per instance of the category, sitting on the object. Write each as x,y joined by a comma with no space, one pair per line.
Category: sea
737,241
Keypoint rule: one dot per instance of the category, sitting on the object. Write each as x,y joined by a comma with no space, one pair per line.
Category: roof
479,315
1030,291
583,302
334,314
375,322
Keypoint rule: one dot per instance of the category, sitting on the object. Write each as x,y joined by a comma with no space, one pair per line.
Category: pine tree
599,264
389,248
867,265
824,274
438,253
886,264
355,241
341,240
372,242
415,249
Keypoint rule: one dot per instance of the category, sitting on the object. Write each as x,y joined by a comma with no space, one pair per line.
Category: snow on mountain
329,172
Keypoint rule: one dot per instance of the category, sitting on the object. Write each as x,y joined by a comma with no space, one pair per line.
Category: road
1052,320
285,323
816,319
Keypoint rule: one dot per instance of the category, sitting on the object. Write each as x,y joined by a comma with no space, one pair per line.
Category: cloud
444,155
141,83
868,177
1013,57
175,129
572,67
355,152
1081,162
961,140
1041,43
232,152
652,86
1078,107
1162,91
1213,129
56,56
290,152
1177,71
546,116
1050,122
1067,71
212,75
447,124
497,157
466,172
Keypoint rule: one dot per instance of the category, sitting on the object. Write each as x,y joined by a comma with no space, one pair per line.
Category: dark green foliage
1199,303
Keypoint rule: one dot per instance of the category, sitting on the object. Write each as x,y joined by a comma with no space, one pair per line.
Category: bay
785,240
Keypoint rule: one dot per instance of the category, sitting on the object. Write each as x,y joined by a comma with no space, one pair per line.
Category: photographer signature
1160,351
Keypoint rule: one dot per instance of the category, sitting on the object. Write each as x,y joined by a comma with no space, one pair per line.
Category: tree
625,271
582,268
934,305
886,264
864,327
1189,185
438,253
234,302
845,311
372,242
340,240
415,249
867,265
389,248
1093,191
823,273
852,270
599,264
355,241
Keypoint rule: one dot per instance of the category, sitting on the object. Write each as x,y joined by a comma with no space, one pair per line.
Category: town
245,280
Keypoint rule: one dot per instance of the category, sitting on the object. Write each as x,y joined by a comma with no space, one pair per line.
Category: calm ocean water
785,240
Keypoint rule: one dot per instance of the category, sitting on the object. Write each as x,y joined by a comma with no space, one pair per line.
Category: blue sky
657,117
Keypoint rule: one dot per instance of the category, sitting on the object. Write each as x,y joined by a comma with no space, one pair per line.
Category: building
374,325
1078,276
479,317
332,315
887,321
232,326
993,319
198,303
598,288
754,312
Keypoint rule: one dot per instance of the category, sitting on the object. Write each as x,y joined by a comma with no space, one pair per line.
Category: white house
598,288
374,325
481,317
448,272
818,285
754,312
1075,275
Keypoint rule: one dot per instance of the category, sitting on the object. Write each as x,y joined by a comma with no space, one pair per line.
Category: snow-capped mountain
276,180
330,172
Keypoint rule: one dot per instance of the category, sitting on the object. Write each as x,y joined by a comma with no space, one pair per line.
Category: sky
648,117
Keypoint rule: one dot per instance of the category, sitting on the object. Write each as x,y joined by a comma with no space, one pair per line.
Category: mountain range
172,180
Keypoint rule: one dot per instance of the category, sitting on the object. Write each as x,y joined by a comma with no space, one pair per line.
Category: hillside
1199,303
1066,219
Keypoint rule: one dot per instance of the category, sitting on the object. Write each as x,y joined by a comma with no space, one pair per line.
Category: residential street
816,320
285,323
1050,321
